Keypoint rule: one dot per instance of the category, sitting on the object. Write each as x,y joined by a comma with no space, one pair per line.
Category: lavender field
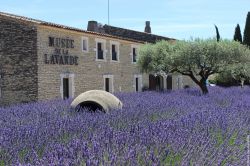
171,128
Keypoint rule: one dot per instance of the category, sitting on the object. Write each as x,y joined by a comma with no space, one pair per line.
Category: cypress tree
217,33
237,34
246,38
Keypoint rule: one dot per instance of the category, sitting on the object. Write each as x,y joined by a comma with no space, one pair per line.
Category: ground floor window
137,83
156,82
179,82
108,83
67,88
169,82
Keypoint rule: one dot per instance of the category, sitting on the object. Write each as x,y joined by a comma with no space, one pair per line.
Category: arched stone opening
90,106
96,100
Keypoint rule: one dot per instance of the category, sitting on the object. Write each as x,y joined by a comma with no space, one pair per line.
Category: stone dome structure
96,100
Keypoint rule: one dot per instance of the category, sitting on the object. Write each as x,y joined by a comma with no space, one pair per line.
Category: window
134,53
137,83
85,44
114,51
100,49
51,42
67,87
179,82
108,83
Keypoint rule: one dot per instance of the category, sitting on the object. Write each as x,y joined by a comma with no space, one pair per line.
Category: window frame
87,44
117,48
111,87
179,81
132,53
140,82
103,42
71,77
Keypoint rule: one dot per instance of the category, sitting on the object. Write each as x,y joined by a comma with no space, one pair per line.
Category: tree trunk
203,87
201,83
242,83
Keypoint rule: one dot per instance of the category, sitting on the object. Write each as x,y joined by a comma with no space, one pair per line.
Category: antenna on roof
108,12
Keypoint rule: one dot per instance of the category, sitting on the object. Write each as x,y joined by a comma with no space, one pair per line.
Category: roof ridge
28,19
20,17
140,32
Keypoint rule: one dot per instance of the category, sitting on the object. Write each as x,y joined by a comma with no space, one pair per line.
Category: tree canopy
240,72
237,34
197,59
217,33
246,37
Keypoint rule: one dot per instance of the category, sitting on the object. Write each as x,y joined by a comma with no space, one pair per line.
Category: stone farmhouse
41,60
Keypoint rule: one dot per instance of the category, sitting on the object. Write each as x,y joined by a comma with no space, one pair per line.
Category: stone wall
180,82
18,61
26,75
88,74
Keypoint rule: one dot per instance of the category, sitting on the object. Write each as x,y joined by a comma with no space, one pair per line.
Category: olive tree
240,72
197,59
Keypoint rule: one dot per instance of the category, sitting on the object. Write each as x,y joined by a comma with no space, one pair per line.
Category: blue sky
180,19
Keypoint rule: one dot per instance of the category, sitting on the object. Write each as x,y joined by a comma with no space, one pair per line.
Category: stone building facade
41,61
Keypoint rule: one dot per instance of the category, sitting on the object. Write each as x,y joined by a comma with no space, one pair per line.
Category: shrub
178,128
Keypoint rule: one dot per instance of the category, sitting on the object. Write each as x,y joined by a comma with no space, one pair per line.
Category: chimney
147,27
92,26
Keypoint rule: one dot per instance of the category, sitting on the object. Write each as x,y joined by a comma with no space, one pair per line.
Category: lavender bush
171,128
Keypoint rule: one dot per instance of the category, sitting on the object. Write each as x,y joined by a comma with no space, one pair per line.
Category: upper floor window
134,53
85,44
114,50
51,42
100,49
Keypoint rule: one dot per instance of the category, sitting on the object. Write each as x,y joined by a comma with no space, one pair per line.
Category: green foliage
233,139
217,33
40,151
197,59
236,73
2,163
172,159
225,79
237,34
194,56
22,153
241,72
246,38
219,139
